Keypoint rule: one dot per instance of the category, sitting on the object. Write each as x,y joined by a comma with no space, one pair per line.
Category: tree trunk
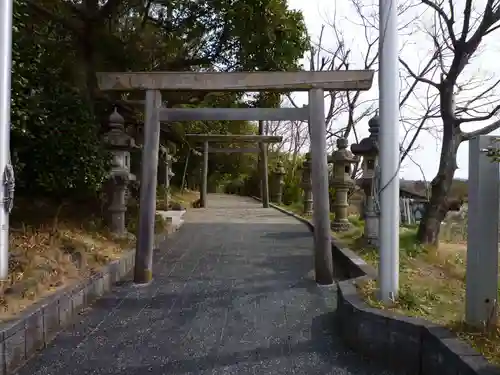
436,209
89,58
93,28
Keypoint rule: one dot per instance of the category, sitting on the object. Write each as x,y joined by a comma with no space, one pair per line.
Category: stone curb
38,325
412,345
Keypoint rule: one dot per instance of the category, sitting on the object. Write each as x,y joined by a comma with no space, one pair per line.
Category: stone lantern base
125,236
341,225
371,232
308,204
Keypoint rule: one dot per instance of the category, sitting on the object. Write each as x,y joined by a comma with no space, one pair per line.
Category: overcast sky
417,48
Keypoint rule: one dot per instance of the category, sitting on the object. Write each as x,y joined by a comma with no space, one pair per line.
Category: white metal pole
5,84
389,150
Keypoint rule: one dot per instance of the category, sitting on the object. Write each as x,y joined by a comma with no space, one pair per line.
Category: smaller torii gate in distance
262,140
315,82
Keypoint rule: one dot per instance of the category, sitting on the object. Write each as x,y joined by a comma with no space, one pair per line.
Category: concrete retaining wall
413,346
39,324
36,327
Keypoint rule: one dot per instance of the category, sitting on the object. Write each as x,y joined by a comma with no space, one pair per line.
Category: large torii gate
262,140
314,82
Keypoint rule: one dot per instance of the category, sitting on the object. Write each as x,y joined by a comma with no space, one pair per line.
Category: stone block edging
412,345
33,329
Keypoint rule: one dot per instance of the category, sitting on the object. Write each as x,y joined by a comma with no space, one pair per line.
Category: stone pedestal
341,182
117,207
340,222
119,144
278,183
306,185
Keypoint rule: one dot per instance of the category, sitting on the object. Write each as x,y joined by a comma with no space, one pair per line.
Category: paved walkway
233,294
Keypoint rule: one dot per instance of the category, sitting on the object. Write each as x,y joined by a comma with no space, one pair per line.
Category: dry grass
54,245
186,197
432,281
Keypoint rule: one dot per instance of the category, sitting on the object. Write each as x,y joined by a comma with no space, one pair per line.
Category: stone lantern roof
342,154
368,145
280,170
116,120
116,138
307,158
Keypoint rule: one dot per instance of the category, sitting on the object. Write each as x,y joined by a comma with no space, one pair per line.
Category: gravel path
233,293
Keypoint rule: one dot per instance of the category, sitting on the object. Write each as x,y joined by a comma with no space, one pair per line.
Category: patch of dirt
453,248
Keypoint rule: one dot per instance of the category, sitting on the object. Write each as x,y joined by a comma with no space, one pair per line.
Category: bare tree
323,59
461,100
368,20
295,138
351,109
345,109
437,94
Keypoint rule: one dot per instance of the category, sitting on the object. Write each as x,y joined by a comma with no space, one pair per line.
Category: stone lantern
170,160
167,173
368,149
341,181
119,144
306,184
278,182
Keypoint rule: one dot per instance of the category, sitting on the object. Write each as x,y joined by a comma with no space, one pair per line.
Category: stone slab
175,217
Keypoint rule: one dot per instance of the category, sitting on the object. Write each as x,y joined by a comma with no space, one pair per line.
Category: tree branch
424,71
466,136
68,22
466,22
480,118
449,21
414,138
416,77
